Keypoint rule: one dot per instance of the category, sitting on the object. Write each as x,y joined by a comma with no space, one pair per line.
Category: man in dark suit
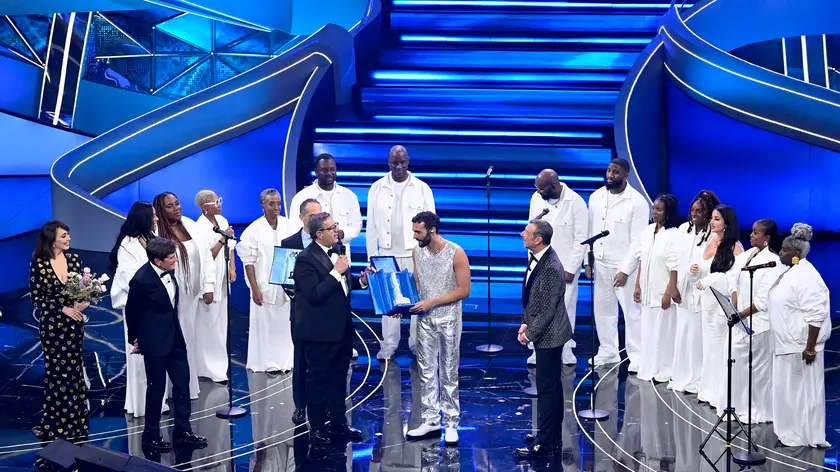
151,314
324,326
300,240
546,324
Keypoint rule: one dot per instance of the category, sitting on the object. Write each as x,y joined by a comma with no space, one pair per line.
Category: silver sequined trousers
439,338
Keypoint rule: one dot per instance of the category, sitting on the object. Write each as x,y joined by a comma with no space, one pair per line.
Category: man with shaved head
566,212
393,201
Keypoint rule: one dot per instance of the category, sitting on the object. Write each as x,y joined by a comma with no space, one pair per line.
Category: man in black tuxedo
546,324
151,314
324,326
300,240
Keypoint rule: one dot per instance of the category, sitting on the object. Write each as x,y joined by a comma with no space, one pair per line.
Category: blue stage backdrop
238,170
759,173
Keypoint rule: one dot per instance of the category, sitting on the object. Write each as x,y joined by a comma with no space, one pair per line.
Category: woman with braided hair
694,234
195,273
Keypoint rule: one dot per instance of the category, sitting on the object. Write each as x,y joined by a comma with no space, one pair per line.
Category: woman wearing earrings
766,243
62,331
128,255
801,325
716,270
195,273
694,234
211,322
656,286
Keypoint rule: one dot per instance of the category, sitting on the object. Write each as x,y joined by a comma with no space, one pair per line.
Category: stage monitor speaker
98,459
139,464
58,455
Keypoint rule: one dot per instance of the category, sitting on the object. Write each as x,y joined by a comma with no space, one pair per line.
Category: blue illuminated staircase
464,85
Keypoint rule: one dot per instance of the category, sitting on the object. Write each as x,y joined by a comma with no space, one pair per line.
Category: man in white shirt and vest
625,213
570,224
338,201
393,201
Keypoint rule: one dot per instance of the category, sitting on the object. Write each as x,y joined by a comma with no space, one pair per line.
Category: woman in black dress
61,330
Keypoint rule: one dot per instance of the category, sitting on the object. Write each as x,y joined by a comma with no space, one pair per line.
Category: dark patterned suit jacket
543,303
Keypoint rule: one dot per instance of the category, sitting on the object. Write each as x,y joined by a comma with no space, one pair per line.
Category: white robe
130,257
799,300
269,333
211,322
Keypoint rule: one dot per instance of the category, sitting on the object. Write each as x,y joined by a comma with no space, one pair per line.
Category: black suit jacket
322,310
294,241
151,318
544,304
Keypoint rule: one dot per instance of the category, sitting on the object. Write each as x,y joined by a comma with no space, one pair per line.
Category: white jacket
380,209
206,227
625,216
799,299
570,222
342,204
130,257
208,267
659,257
762,281
256,248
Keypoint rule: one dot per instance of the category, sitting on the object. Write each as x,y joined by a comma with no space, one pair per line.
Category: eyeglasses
330,228
217,203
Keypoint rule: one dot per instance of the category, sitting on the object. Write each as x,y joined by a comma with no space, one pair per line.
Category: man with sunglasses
323,323
566,211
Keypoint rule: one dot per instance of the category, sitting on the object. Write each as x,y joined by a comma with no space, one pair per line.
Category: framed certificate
283,267
385,263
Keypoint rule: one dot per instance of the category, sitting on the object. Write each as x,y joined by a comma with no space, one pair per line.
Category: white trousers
762,377
799,400
688,358
270,345
211,340
391,326
187,310
657,354
606,316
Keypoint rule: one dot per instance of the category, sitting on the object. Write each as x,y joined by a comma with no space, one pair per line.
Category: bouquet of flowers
85,287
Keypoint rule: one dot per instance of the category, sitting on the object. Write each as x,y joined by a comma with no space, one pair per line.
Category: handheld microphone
489,171
543,213
218,230
342,249
766,265
598,236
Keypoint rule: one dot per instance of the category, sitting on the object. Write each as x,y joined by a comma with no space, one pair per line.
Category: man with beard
621,210
442,274
570,223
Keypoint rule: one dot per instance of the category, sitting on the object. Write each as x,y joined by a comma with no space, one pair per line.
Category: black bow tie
170,273
334,250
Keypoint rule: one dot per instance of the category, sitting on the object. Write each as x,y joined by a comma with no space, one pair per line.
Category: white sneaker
533,359
450,438
355,354
385,354
569,358
423,430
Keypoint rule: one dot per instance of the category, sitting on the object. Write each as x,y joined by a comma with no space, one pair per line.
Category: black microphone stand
488,348
229,412
592,413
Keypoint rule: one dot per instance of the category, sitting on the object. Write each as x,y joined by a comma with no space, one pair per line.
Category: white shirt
570,222
690,248
798,300
659,257
130,257
762,281
206,226
625,215
167,282
333,258
340,202
256,247
533,262
382,209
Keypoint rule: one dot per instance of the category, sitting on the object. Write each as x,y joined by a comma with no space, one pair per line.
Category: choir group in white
659,273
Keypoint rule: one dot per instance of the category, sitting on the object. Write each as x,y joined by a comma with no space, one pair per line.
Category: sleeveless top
436,273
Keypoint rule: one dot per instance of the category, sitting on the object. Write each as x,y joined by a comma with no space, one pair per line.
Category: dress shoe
319,439
299,416
157,444
190,439
450,437
355,354
423,431
345,431
529,438
533,451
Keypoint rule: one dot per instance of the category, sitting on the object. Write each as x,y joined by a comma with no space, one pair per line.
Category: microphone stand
229,412
592,413
488,348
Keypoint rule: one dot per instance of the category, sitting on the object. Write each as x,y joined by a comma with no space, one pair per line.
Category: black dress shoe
299,416
319,439
190,439
529,438
345,431
157,445
533,451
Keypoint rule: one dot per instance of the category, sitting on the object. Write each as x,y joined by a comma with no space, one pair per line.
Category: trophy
399,298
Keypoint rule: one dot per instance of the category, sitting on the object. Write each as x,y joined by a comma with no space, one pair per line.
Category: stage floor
650,428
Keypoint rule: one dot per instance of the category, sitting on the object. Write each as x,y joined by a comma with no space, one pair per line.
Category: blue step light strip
444,132
467,175
410,38
536,4
416,76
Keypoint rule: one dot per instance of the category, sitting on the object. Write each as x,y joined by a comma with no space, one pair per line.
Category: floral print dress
65,412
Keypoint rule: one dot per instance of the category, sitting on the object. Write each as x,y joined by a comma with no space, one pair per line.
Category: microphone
489,172
342,249
598,236
218,230
766,265
543,213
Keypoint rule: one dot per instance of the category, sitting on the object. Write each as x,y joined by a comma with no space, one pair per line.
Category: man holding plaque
442,274
324,326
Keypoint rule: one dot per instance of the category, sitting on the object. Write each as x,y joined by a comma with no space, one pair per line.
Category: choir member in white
195,273
338,201
393,201
716,269
570,221
801,324
211,322
693,236
621,210
128,255
656,286
766,242
269,332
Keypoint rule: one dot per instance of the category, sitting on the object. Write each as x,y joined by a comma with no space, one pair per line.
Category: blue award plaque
283,267
392,292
